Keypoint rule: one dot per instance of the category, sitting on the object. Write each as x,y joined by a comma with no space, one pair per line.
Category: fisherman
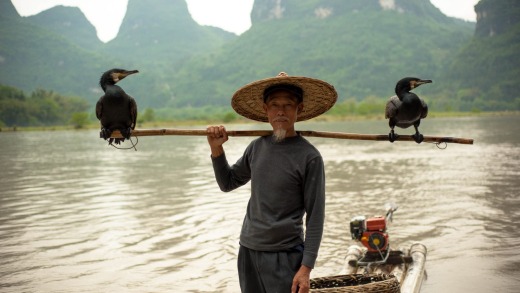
287,183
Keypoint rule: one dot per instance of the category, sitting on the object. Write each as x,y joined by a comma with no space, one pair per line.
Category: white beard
279,134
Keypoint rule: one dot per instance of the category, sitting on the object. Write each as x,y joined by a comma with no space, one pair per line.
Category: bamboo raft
404,272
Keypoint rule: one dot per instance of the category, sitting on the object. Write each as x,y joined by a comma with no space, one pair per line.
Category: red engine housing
375,238
377,223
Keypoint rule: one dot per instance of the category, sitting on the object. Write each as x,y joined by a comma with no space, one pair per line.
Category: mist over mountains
362,47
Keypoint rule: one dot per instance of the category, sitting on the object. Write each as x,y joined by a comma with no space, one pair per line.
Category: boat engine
371,232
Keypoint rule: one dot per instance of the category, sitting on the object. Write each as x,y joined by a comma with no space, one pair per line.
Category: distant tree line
47,108
40,108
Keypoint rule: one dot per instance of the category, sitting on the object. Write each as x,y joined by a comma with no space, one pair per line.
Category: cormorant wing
425,109
99,108
133,112
392,107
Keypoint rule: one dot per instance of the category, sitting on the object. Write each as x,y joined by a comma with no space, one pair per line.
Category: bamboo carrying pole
338,135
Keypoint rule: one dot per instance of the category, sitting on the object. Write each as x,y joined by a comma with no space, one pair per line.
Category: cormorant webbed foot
117,141
392,136
418,137
106,133
126,133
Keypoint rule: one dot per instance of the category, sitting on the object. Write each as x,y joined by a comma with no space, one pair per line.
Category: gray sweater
287,181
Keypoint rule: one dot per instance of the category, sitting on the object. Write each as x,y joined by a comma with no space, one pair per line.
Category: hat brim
318,97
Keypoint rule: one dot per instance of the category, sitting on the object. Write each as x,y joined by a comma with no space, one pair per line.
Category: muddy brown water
79,216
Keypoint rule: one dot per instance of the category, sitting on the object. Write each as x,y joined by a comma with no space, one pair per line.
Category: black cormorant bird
116,110
406,109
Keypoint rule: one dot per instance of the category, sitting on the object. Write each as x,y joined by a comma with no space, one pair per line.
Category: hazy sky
230,15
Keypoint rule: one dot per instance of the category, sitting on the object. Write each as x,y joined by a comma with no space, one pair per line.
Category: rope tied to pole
127,148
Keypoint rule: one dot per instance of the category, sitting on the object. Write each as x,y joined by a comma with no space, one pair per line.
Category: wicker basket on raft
355,283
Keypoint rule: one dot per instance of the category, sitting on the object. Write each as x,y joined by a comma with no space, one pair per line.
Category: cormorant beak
416,83
127,73
117,76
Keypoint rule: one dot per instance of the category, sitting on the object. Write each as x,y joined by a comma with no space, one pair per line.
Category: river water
79,216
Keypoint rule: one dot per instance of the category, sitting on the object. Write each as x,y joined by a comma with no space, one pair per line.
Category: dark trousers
267,272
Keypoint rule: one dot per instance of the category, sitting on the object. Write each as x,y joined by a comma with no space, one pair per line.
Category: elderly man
287,183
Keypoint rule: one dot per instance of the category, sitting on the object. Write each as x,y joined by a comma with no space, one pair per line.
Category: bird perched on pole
116,110
406,108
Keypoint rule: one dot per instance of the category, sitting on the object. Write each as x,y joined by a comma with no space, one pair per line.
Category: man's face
282,110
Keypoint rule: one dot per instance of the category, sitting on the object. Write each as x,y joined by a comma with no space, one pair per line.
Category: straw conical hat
318,96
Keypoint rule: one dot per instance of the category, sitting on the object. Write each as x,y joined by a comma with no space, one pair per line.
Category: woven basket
355,283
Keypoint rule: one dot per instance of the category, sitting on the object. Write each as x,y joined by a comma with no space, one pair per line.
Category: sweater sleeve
231,177
314,201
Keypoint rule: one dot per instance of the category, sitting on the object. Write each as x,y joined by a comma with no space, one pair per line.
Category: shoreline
240,120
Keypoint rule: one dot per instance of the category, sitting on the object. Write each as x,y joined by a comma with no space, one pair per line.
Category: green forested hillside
33,57
156,36
485,74
37,53
361,54
362,47
70,23
160,33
